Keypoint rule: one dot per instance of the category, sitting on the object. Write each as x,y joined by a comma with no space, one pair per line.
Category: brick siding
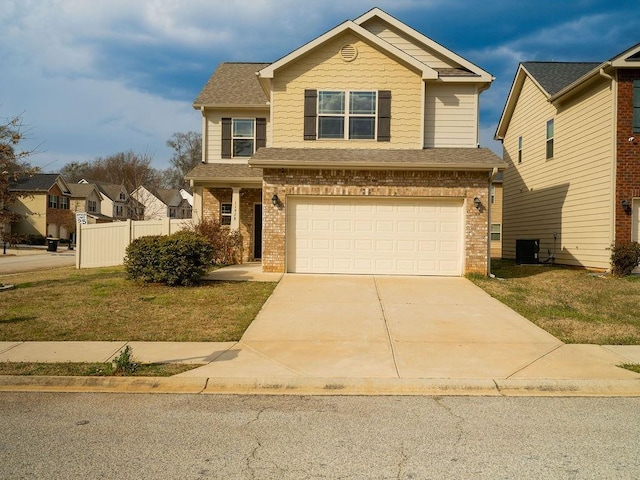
628,155
462,185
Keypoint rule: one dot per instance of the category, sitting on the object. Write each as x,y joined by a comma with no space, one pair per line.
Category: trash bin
52,244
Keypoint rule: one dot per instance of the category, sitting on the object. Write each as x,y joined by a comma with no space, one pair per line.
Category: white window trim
347,115
224,215
234,138
520,142
550,139
499,232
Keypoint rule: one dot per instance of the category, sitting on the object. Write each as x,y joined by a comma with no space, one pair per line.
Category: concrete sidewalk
361,335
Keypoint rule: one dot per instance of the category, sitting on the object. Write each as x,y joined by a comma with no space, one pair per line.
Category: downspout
493,174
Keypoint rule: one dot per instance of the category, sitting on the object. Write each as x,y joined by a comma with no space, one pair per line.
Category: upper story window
119,210
520,149
347,115
636,106
92,206
243,139
53,201
493,194
550,135
122,196
64,203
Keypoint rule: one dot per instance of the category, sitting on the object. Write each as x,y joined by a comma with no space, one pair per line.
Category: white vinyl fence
104,244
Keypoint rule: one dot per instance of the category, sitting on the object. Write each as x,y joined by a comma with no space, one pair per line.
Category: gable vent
348,53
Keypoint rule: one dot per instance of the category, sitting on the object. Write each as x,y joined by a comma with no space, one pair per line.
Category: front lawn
575,305
101,304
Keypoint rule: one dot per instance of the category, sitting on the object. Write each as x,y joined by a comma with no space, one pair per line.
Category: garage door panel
374,235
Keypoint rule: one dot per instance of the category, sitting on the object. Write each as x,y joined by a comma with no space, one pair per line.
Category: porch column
235,209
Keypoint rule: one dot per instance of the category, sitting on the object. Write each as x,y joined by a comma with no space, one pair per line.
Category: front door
257,231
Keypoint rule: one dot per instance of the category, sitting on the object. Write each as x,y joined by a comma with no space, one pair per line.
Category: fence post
78,245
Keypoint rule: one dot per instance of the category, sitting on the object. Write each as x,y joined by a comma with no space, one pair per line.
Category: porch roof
227,172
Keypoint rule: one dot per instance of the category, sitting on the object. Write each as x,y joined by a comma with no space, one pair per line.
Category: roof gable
40,182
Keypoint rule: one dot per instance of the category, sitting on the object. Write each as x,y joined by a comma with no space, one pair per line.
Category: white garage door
403,236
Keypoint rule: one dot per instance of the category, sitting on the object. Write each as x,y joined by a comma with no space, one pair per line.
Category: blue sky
96,77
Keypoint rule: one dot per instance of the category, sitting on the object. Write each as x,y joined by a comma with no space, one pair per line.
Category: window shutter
261,132
310,104
226,138
636,106
384,116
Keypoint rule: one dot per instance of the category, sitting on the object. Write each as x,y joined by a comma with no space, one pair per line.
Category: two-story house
162,203
43,206
116,201
356,153
571,137
86,198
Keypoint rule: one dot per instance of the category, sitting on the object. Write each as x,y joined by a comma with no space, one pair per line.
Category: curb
325,386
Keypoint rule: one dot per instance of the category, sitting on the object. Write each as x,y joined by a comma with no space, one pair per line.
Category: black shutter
226,138
261,132
310,102
384,116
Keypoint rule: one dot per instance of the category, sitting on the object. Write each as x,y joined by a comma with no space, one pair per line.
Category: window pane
330,127
362,127
225,208
243,128
331,103
242,148
549,129
550,148
362,103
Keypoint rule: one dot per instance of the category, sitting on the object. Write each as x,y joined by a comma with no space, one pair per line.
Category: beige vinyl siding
411,46
213,126
451,116
324,69
570,194
33,209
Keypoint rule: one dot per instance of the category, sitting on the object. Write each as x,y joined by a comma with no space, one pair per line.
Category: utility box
527,251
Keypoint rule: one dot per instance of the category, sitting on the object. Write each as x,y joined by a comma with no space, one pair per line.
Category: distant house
355,153
162,203
571,137
86,198
43,206
116,201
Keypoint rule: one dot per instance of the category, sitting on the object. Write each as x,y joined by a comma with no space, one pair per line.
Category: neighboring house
355,153
162,203
43,206
86,198
116,201
495,230
571,137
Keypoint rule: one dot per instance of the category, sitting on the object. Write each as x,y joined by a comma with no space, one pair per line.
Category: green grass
101,304
575,305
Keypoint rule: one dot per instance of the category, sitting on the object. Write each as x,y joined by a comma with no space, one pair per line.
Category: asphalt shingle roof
39,182
554,76
233,83
224,170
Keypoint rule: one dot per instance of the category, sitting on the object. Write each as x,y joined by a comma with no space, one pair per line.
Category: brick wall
463,185
628,154
212,198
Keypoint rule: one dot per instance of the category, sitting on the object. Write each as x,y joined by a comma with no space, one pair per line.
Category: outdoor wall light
625,205
275,200
476,203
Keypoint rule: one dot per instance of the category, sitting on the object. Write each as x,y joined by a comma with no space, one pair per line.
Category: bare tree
13,165
187,153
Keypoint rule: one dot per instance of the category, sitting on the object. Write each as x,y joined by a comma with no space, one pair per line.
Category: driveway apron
383,327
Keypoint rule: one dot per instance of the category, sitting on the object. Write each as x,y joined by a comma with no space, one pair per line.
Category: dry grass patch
72,369
574,305
101,304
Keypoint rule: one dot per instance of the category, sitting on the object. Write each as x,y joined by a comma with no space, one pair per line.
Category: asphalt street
91,436
32,261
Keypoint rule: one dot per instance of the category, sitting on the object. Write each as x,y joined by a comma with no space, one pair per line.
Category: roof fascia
427,72
239,106
63,185
302,164
510,104
384,16
620,61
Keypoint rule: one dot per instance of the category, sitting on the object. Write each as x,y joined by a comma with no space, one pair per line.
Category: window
347,115
550,128
493,194
496,231
520,149
53,201
92,205
172,212
122,196
243,137
119,210
64,203
225,214
636,106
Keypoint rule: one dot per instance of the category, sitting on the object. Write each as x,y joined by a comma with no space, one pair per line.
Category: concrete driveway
386,327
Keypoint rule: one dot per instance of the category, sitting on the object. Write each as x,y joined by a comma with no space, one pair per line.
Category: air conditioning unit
527,251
